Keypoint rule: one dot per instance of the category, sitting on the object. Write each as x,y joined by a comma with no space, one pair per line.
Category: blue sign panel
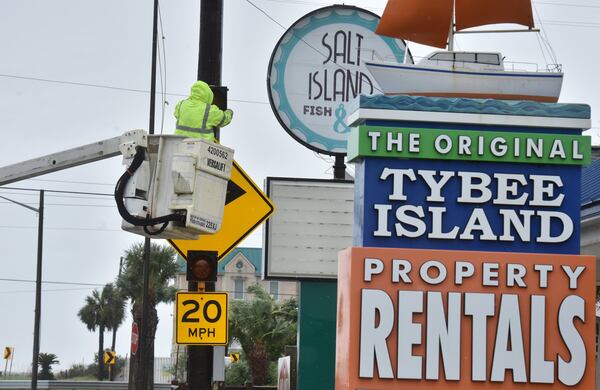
430,204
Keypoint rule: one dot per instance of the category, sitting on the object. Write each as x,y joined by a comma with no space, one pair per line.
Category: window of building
238,289
274,289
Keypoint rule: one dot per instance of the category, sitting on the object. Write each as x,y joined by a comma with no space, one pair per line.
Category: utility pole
114,335
200,358
146,367
38,288
38,295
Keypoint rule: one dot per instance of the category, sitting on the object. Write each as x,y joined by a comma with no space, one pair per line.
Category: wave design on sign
476,106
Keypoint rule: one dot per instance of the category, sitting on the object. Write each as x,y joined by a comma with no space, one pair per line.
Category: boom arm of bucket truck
174,187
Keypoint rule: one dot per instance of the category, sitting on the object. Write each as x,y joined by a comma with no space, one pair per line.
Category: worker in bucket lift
197,116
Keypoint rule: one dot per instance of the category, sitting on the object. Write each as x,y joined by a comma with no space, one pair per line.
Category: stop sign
135,335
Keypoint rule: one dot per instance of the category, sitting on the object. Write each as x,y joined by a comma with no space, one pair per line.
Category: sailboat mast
451,34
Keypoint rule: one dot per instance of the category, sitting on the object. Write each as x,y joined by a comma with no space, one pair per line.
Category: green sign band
469,145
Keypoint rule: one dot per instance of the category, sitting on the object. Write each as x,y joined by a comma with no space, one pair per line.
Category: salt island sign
317,70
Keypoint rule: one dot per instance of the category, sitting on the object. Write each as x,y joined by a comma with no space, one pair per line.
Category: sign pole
146,367
38,295
199,364
12,357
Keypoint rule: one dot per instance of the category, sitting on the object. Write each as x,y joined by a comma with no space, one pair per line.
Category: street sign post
245,209
110,357
201,318
135,336
8,355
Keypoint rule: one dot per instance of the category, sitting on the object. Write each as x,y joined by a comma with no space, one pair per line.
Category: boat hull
407,79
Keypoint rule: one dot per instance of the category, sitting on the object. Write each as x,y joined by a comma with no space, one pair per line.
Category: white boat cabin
463,59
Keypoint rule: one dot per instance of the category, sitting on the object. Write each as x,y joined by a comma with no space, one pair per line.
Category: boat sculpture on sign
455,73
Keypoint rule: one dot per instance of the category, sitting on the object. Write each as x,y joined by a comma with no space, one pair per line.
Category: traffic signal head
202,266
220,96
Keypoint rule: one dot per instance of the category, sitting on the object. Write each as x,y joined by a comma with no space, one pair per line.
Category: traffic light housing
219,96
202,266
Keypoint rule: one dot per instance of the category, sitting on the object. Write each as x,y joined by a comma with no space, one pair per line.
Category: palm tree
163,269
45,361
105,311
263,327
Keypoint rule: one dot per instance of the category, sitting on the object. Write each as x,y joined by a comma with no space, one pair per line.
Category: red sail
473,13
422,21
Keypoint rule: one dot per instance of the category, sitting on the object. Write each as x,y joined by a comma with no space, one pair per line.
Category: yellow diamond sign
246,207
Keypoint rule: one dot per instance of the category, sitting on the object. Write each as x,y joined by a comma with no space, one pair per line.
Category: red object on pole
135,336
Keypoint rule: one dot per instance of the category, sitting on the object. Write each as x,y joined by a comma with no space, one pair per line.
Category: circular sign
135,336
316,71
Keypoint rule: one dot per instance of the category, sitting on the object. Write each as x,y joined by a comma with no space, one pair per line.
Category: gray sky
108,43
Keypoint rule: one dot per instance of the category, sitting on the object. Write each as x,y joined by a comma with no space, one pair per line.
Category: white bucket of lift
187,176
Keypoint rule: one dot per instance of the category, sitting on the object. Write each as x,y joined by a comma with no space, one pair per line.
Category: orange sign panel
436,319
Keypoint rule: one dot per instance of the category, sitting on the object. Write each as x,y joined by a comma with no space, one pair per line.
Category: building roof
254,256
590,183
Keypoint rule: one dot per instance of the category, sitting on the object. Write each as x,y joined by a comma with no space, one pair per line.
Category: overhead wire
75,229
73,182
568,5
162,70
50,282
250,101
544,37
298,37
57,191
64,204
47,290
81,84
94,285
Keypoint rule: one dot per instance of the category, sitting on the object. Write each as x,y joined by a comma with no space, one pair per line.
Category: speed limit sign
201,318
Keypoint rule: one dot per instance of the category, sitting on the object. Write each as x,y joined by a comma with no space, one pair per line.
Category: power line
66,204
302,2
81,84
570,24
57,191
88,197
299,38
74,182
568,5
62,228
51,282
47,290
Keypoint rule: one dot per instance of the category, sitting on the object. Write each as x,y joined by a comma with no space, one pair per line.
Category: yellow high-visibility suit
197,116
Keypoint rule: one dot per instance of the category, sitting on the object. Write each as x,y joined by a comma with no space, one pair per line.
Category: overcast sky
73,72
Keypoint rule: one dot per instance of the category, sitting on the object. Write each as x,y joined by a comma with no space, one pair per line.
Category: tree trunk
111,373
135,380
258,363
101,353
